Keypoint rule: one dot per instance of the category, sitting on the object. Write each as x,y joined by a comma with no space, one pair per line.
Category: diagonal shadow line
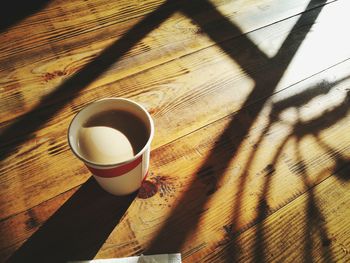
17,10
101,61
296,100
314,216
341,162
233,230
330,118
217,36
263,210
279,62
24,127
77,230
302,98
264,82
282,61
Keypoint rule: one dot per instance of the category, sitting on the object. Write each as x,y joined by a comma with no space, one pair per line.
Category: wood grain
247,171
310,219
49,65
251,107
167,101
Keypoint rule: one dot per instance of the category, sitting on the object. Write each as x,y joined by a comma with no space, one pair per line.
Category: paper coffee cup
118,177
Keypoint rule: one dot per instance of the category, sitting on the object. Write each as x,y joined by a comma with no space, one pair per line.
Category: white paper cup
116,178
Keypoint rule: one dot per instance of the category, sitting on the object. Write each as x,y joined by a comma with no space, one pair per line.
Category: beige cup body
126,183
116,178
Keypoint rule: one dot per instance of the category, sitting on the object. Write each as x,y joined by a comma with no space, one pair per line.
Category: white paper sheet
162,258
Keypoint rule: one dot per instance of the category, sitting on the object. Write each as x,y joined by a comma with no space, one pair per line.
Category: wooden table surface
250,159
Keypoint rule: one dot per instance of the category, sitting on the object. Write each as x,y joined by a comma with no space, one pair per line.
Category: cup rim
112,165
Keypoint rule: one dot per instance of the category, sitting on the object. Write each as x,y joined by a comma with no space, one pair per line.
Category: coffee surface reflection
111,137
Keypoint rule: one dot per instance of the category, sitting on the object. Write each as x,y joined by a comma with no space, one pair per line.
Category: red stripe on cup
116,171
144,178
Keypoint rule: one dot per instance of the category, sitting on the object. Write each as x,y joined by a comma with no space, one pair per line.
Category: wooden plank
312,228
213,195
15,229
91,210
229,182
218,100
192,192
167,91
29,70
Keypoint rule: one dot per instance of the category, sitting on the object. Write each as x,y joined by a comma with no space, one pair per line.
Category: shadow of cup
78,229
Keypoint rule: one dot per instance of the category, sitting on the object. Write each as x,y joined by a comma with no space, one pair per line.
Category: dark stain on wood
164,185
52,75
152,111
147,190
32,222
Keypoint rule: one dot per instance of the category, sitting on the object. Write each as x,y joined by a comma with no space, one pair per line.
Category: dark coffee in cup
112,136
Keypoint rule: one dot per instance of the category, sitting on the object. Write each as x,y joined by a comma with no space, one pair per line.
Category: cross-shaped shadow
265,85
24,127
